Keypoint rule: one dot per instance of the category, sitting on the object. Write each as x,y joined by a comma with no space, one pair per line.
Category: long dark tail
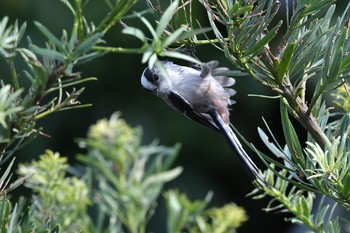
235,144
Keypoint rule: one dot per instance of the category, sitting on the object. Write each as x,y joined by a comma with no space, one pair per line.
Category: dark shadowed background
208,162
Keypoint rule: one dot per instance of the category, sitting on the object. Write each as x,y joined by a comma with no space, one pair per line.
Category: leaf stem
120,49
78,21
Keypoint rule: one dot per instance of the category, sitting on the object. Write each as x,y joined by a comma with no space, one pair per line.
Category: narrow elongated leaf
149,26
5,177
12,222
335,64
173,36
162,177
22,31
180,56
291,137
255,49
272,147
193,32
346,185
50,36
165,19
345,63
304,203
5,213
146,55
283,66
88,57
152,60
69,6
87,44
136,33
49,53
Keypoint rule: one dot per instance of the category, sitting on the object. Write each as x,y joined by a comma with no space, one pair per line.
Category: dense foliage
119,179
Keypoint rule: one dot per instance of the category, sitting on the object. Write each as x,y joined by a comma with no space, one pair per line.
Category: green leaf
11,226
244,10
271,146
136,33
146,56
192,32
346,185
5,213
305,207
345,63
162,177
87,44
49,53
173,36
149,26
3,24
255,49
22,31
87,57
233,9
69,6
290,136
152,60
335,64
182,56
165,19
50,36
6,176
283,66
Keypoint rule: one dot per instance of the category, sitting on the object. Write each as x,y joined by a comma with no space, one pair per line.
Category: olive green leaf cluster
119,182
192,216
128,177
183,213
306,209
50,71
58,199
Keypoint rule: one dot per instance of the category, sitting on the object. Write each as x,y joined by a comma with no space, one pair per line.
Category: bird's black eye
150,76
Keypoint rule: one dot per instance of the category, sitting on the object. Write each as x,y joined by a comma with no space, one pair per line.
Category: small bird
203,95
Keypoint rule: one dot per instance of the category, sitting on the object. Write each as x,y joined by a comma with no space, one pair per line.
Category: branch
301,114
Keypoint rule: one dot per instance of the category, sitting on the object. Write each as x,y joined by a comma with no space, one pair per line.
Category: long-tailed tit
201,96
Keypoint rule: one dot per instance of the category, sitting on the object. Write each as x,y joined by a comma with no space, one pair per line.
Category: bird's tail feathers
235,144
